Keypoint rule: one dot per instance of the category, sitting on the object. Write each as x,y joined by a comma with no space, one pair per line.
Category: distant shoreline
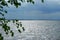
37,19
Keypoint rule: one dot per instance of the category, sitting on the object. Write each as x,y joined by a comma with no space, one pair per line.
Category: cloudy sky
50,9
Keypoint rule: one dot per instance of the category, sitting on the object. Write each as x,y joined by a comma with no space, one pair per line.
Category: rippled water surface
35,30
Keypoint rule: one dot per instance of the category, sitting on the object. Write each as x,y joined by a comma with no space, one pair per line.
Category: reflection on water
35,30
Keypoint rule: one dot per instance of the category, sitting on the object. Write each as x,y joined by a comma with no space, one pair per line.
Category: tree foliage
3,21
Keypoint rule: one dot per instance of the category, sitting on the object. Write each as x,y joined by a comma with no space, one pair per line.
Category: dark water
35,30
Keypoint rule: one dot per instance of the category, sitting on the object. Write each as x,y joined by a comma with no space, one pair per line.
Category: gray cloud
50,9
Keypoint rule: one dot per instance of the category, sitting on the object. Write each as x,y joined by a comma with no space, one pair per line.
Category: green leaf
0,34
30,0
1,38
2,19
8,28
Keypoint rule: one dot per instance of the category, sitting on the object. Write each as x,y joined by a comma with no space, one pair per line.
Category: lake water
35,30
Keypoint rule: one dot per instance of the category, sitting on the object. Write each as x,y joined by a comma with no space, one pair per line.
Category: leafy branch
4,22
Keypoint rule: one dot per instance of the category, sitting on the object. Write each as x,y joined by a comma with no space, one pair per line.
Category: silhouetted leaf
2,14
5,11
13,21
42,1
20,24
19,4
23,28
17,26
33,2
8,28
21,0
19,30
12,34
8,1
1,6
7,33
0,24
16,20
8,20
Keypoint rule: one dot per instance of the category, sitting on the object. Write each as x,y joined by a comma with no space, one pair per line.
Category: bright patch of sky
50,9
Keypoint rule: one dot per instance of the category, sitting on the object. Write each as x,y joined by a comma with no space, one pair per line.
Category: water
35,30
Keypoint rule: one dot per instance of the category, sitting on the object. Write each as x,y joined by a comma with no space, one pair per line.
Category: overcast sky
50,9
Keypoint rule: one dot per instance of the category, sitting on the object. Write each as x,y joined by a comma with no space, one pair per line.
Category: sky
50,9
